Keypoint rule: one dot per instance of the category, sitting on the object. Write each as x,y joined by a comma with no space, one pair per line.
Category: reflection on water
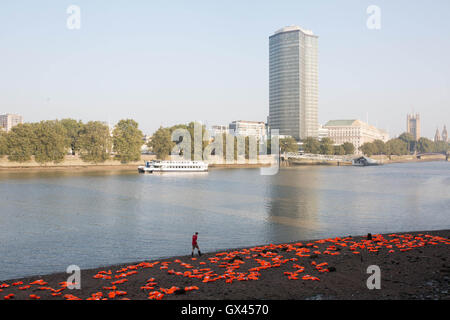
49,220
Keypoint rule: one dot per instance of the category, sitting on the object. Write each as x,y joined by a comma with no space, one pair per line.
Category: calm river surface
49,221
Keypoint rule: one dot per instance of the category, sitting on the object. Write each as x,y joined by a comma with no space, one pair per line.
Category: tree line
162,145
326,147
403,145
51,140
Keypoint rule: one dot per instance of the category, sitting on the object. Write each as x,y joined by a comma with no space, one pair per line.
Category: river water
49,221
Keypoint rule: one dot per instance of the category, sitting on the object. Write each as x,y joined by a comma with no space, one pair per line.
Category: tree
396,147
161,143
3,143
288,144
74,129
368,149
425,145
410,140
326,146
339,150
127,141
379,147
441,147
349,148
191,127
229,137
247,146
20,143
311,145
50,142
95,142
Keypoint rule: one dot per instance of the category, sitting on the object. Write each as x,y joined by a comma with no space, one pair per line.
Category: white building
248,128
294,82
322,133
354,131
8,121
218,130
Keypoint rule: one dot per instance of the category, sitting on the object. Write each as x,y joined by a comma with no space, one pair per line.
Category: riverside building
8,121
248,128
293,82
356,132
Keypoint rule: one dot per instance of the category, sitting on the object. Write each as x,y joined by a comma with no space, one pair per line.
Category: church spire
437,136
444,134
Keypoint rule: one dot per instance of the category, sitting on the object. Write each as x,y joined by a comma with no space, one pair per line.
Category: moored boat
364,162
173,166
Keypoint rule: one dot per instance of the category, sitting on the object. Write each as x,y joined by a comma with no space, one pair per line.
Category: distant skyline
163,63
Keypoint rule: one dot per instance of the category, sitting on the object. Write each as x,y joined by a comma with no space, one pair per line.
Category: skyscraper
293,82
413,125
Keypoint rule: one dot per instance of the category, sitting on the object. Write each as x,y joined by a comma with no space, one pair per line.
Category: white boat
173,166
364,162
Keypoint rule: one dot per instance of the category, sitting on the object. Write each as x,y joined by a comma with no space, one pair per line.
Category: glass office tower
293,82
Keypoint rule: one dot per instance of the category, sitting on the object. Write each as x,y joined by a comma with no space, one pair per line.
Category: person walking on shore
195,244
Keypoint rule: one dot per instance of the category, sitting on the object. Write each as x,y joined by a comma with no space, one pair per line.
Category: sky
168,62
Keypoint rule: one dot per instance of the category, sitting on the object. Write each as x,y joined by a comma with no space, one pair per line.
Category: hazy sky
168,62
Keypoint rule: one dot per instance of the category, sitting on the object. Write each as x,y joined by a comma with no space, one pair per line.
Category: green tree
396,147
441,147
410,141
247,147
288,144
161,143
191,129
228,136
95,142
349,148
3,143
20,143
425,145
326,146
74,129
50,142
379,147
368,149
339,150
127,141
311,145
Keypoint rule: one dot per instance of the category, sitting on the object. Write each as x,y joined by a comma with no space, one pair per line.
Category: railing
432,154
317,157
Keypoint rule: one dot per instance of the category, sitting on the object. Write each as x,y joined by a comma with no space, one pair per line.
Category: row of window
183,167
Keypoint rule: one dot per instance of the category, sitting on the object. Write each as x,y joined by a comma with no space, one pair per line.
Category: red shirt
194,239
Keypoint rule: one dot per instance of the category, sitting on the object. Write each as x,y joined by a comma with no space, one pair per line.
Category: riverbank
410,158
309,162
413,266
382,159
74,163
